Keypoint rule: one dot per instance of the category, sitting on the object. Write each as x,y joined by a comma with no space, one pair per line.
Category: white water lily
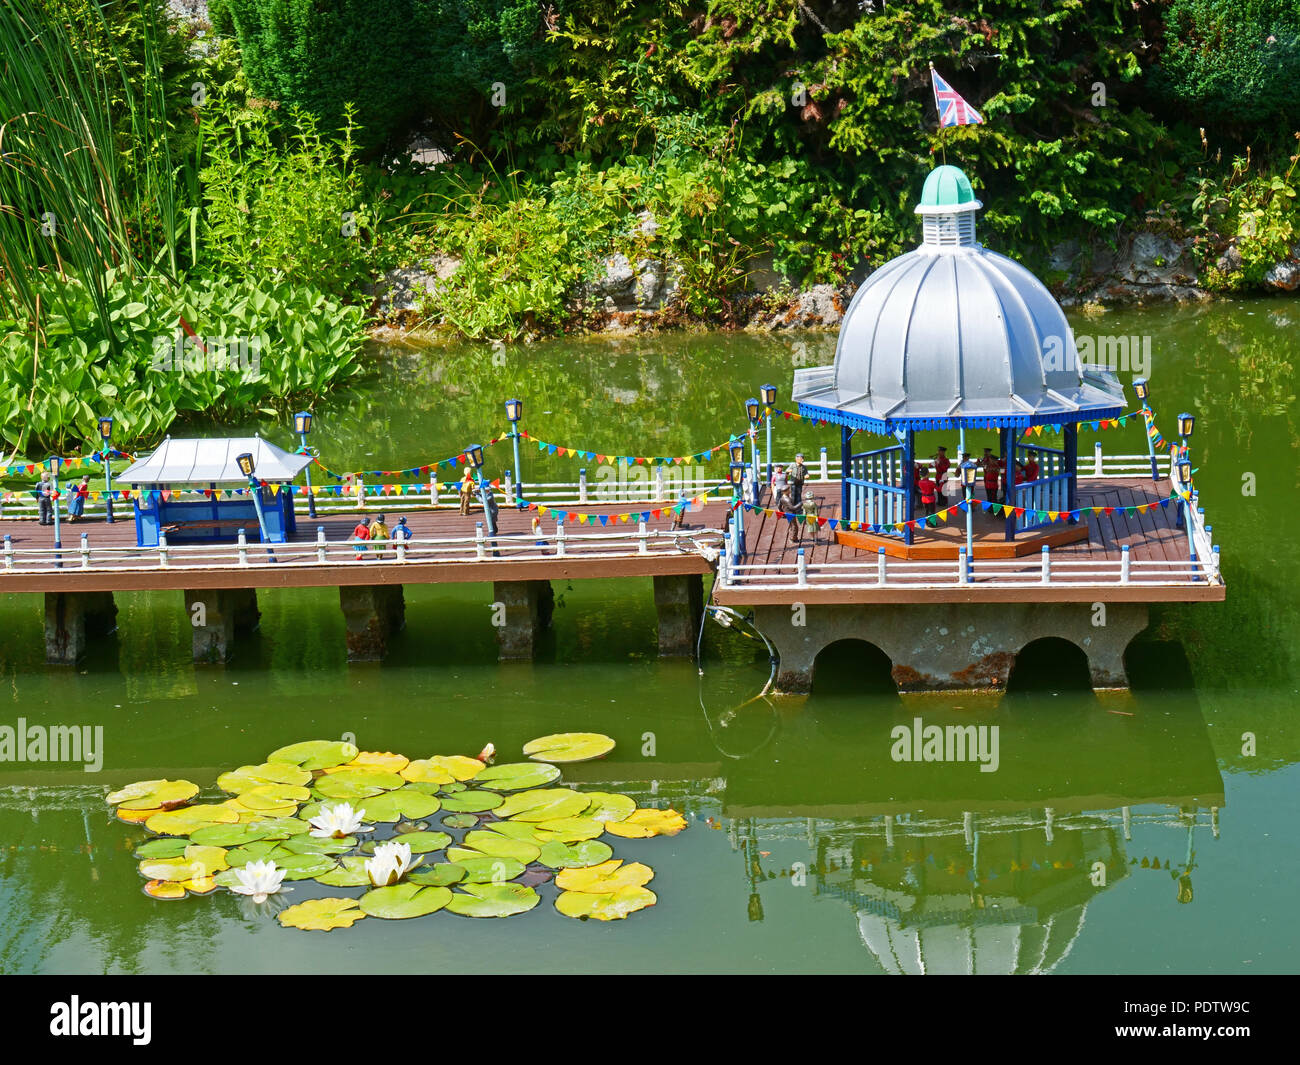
258,880
335,822
391,862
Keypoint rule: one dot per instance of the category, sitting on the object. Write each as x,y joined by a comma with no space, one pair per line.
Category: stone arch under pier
950,646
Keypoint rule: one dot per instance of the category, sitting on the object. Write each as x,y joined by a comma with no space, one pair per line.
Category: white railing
515,547
884,572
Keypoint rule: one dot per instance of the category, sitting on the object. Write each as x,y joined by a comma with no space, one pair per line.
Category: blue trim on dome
924,425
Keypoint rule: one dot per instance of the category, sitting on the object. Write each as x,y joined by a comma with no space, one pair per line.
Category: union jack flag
953,110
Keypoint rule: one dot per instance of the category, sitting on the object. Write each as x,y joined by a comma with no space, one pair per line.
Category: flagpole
943,150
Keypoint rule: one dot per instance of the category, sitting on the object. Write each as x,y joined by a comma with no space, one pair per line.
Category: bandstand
954,337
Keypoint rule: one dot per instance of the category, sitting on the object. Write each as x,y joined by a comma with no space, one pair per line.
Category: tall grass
84,187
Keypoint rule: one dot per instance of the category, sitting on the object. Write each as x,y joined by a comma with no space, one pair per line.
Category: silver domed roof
954,334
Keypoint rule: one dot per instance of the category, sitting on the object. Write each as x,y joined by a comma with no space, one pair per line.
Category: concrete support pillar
371,613
522,612
72,619
679,604
217,616
951,646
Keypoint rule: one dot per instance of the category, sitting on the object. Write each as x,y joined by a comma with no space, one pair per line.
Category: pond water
808,848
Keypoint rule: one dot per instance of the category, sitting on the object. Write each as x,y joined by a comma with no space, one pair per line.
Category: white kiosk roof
213,461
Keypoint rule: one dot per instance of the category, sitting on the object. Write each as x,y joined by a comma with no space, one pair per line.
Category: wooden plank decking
1150,537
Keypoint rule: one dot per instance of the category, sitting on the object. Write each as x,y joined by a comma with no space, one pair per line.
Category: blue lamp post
1186,425
515,411
751,408
474,454
1185,476
52,464
769,401
106,436
302,426
969,471
737,475
246,468
1143,390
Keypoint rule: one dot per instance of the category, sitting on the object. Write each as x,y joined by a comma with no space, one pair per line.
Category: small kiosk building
194,490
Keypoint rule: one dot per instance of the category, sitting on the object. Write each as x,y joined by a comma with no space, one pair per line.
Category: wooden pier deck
1158,567
443,550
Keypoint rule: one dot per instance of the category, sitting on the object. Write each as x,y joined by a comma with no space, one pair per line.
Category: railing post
1125,565
162,550
9,552
243,547
660,490
433,488
882,566
85,551
478,540
1047,564
825,467
724,562
963,573
510,489
644,535
1214,560
1096,458
401,549
582,486
320,544
361,494
802,564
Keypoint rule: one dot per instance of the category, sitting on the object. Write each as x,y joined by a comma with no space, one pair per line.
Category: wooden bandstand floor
1153,536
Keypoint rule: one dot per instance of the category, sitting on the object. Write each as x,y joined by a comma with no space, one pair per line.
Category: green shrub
1235,62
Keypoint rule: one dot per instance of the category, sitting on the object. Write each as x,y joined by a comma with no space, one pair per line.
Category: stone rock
195,11
400,289
1230,260
818,307
1285,276
646,286
1152,259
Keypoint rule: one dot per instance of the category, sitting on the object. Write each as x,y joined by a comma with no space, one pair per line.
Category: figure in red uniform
1031,468
992,469
941,465
361,534
928,491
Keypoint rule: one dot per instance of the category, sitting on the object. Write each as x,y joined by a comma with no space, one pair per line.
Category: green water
809,783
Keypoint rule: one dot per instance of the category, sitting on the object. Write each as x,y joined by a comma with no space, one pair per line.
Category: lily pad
460,767
645,823
137,817
183,821
403,803
289,826
526,831
322,914
543,804
305,866
425,842
402,901
425,787
460,820
154,794
315,754
164,889
427,771
201,885
166,847
195,862
452,788
257,851
575,855
350,873
353,784
605,877
319,845
489,870
493,900
237,835
385,760
495,845
247,815
442,875
571,829
609,806
604,906
247,777
472,801
569,747
273,796
516,775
